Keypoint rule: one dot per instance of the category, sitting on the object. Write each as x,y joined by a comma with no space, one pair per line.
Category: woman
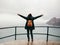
29,26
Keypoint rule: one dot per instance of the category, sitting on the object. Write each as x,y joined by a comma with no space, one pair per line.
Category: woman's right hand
41,15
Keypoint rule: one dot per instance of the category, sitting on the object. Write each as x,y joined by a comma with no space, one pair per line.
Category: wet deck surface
25,42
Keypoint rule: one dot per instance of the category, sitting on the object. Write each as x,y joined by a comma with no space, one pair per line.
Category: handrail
35,26
33,33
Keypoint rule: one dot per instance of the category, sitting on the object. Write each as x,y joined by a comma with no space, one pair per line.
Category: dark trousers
31,32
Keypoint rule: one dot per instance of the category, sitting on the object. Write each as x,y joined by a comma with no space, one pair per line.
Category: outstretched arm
22,16
38,17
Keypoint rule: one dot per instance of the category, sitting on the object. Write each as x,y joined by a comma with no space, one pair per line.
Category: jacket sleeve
22,16
37,17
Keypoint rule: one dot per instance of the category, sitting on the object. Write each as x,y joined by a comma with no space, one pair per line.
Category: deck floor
25,42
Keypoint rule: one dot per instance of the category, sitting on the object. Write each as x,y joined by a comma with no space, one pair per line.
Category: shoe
32,40
28,40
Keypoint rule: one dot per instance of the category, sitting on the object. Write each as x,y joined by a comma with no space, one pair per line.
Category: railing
47,28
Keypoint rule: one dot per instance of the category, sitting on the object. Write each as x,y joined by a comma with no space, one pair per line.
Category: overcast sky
9,8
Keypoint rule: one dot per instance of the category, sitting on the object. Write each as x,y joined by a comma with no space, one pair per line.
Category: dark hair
30,15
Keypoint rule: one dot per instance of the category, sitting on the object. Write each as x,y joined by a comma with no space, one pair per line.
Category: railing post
47,33
15,32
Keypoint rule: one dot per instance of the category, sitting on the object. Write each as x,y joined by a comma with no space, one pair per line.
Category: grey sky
49,8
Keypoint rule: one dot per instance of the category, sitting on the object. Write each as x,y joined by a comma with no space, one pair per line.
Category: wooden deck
35,42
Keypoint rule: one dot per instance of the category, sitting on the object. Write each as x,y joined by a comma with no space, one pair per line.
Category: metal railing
15,33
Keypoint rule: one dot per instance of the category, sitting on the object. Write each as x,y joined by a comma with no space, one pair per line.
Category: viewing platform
35,42
24,41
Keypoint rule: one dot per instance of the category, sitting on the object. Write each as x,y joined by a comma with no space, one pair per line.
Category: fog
10,8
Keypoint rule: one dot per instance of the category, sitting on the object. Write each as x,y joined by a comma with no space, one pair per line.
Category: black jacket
30,17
